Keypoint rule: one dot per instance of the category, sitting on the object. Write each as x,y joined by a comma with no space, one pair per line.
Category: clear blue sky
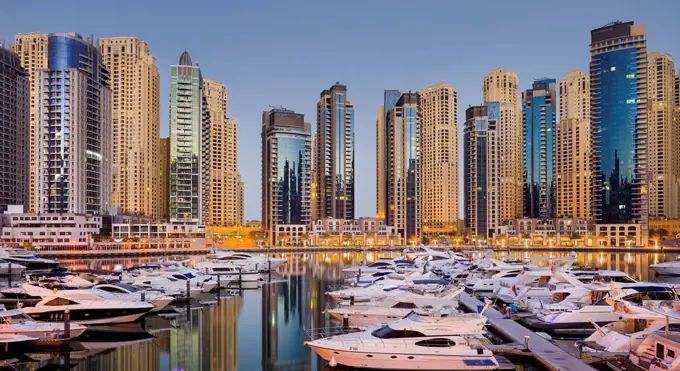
286,52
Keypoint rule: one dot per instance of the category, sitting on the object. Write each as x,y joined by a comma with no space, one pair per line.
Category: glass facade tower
334,154
286,169
189,144
618,84
73,171
538,138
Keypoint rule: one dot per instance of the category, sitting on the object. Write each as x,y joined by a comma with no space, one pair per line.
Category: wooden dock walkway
549,355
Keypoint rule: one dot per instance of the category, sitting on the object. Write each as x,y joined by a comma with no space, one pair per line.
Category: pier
549,355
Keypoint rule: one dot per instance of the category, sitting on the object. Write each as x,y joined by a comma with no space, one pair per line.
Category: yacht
127,292
573,316
658,352
26,259
398,306
166,285
11,269
398,265
246,261
227,271
414,342
85,306
16,322
176,276
671,268
534,285
491,279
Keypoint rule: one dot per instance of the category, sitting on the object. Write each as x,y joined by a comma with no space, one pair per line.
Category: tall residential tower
189,144
399,174
136,125
286,170
539,113
73,112
334,155
439,108
14,129
572,152
32,51
618,89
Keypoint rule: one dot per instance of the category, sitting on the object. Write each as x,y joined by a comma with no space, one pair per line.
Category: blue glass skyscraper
618,83
73,170
538,139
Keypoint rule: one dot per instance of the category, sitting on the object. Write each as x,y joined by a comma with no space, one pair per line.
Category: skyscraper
32,51
286,169
14,126
664,200
539,108
481,140
73,108
164,178
136,125
572,166
334,154
618,84
503,87
224,178
390,100
189,144
400,180
439,107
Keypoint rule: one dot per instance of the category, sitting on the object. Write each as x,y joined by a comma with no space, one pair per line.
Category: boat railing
325,332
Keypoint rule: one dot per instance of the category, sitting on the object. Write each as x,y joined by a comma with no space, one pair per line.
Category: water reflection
261,329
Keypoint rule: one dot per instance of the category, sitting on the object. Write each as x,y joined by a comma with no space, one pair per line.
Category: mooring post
67,323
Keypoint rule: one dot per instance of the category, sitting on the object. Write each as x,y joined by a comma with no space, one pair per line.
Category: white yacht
26,259
127,292
395,307
16,322
388,287
433,258
227,271
573,315
11,269
538,284
177,276
85,306
671,268
398,265
657,352
247,262
491,279
413,343
166,285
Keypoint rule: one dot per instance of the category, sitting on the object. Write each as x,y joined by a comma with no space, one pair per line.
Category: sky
286,52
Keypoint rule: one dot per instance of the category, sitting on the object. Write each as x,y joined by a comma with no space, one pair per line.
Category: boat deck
549,355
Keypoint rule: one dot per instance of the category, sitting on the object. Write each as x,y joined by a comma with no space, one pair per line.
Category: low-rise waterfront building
619,235
362,231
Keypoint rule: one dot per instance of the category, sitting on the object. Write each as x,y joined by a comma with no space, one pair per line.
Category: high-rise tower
618,88
572,152
31,48
73,112
539,106
136,125
334,154
189,144
14,126
439,108
286,169
400,181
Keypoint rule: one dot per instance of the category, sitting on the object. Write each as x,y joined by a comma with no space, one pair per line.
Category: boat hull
568,329
404,361
89,316
666,270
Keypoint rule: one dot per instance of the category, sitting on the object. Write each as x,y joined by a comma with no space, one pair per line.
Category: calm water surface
261,329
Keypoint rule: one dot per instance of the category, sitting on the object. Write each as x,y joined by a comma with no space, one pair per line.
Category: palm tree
305,237
282,239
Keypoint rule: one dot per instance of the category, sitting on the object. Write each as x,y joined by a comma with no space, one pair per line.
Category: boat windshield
379,264
17,318
387,332
127,287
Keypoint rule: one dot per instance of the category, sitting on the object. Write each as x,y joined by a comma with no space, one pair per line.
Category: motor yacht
173,274
414,342
398,306
26,259
658,352
166,285
534,285
573,315
127,292
85,306
247,262
227,271
16,322
398,265
671,268
491,279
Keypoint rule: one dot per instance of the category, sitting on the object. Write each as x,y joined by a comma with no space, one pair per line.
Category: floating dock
549,355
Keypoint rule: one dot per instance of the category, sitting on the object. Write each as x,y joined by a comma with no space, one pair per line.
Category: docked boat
671,268
227,271
16,322
166,285
127,292
11,269
413,343
85,306
657,352
247,262
26,259
398,265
